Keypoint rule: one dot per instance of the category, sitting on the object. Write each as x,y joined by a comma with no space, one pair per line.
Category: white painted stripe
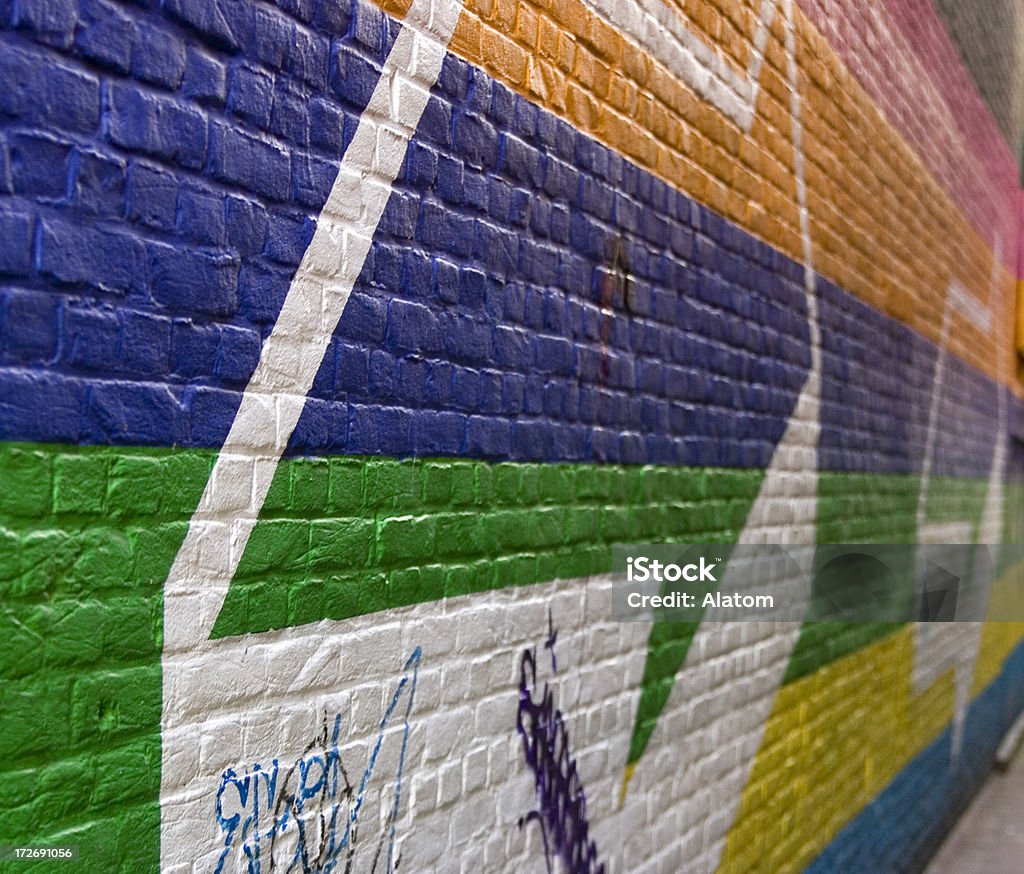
1010,743
978,313
276,393
663,32
238,485
784,512
940,647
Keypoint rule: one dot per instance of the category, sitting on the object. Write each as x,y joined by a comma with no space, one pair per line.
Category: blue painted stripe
876,396
492,318
905,823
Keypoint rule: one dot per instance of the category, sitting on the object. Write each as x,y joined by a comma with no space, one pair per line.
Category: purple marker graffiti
561,811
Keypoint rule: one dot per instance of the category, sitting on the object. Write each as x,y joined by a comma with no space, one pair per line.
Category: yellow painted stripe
999,639
835,739
882,227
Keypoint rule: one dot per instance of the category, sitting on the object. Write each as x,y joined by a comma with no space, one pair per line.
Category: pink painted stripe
903,56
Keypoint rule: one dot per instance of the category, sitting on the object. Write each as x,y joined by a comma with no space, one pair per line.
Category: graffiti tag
305,818
561,812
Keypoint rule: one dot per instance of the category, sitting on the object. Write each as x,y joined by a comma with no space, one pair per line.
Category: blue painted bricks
529,294
906,822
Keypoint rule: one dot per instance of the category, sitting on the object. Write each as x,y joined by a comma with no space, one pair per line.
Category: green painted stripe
87,536
858,508
852,508
403,532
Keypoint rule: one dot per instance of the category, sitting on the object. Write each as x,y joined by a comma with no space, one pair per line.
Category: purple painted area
561,811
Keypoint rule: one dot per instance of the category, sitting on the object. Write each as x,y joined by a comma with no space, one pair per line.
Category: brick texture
307,508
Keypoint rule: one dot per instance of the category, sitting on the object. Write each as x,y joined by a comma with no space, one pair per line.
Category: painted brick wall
340,343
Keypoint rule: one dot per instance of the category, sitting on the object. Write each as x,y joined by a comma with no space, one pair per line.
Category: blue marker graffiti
561,812
306,818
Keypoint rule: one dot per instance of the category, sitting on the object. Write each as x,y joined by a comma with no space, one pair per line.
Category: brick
98,183
437,483
50,21
80,484
327,123
97,258
39,166
159,57
250,93
340,545
16,228
307,57
331,18
145,344
38,720
288,113
477,138
152,197
308,486
91,337
137,413
114,704
48,94
412,327
345,486
312,180
391,485
270,36
238,352
246,225
261,291
223,22
405,540
352,77
369,28
134,759
105,36
186,282
276,545
134,486
204,78
157,126
255,164
29,477
323,426
439,433
200,215
287,238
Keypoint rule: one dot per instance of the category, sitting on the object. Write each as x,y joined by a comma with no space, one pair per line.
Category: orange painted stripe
882,227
